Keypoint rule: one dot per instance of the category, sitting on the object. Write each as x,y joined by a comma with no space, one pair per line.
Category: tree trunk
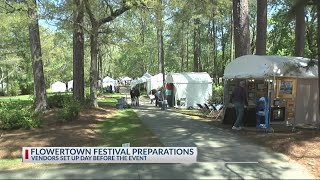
310,33
208,47
182,51
7,80
253,42
160,40
37,65
78,52
299,32
223,49
261,40
187,63
160,50
241,27
161,54
196,46
231,37
215,61
318,45
93,67
101,69
200,65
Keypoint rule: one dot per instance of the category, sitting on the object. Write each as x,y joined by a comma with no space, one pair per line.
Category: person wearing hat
240,100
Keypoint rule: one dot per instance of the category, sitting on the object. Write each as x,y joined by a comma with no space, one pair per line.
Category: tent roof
188,77
147,75
157,77
126,79
253,66
58,83
144,78
108,79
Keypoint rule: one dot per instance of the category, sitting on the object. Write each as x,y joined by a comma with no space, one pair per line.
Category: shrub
18,114
58,100
217,95
14,90
70,111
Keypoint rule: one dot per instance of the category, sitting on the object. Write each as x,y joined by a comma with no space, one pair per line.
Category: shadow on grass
126,127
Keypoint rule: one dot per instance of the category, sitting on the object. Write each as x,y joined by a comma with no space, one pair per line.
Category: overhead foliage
128,45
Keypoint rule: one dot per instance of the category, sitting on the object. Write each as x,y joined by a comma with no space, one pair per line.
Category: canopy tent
140,80
126,79
253,66
70,85
58,87
155,82
196,87
107,81
282,79
144,78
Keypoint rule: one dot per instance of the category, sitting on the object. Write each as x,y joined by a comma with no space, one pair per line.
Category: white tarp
70,85
126,79
196,87
107,81
58,87
254,66
155,82
145,77
140,80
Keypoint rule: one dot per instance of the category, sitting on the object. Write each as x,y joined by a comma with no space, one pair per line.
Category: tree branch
114,14
89,11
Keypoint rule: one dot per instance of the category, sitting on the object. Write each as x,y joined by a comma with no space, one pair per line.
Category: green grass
111,99
16,98
108,102
126,127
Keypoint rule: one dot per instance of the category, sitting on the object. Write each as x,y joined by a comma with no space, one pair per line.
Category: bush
58,100
217,95
26,88
18,114
14,90
70,111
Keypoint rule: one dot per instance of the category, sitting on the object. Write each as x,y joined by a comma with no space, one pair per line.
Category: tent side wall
194,93
307,102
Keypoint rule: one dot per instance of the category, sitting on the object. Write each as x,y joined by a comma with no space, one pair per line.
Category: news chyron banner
109,154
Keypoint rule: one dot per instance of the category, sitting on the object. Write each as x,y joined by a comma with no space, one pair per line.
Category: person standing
137,95
157,97
132,95
240,100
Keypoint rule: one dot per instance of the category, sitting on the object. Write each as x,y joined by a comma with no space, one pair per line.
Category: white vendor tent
70,85
107,81
155,82
253,66
126,79
195,87
58,87
141,80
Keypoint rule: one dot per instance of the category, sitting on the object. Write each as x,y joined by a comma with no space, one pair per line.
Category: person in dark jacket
137,95
240,100
132,95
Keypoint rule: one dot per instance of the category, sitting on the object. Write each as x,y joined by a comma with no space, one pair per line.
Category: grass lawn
126,127
16,98
104,126
110,99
